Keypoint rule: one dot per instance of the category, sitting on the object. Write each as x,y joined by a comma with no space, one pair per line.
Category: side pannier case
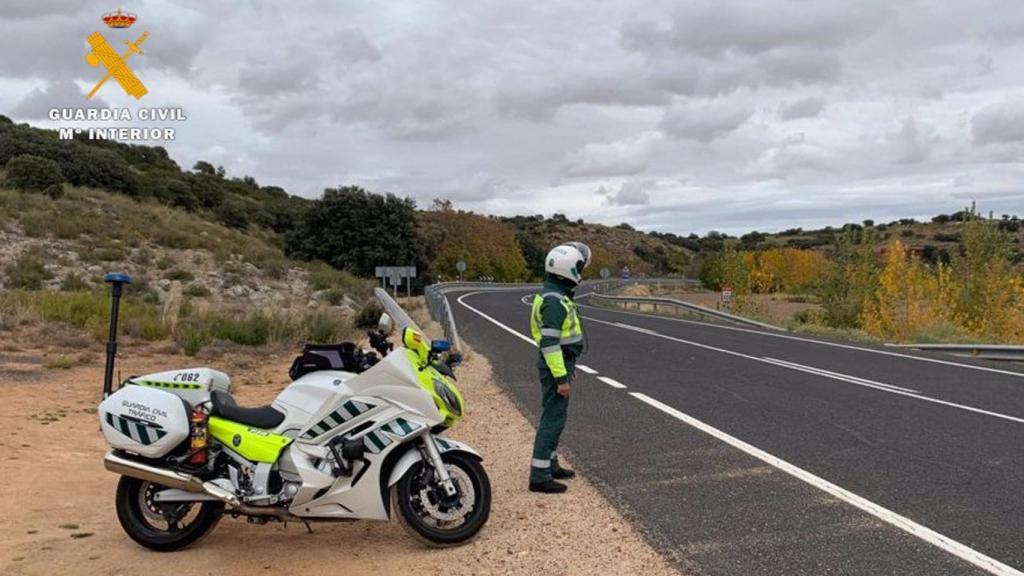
144,421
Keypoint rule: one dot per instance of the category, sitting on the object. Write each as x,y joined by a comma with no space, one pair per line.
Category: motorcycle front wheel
164,527
435,520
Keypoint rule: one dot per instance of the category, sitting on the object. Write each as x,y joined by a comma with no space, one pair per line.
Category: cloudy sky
681,116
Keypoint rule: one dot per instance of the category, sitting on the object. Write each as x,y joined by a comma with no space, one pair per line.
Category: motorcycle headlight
451,401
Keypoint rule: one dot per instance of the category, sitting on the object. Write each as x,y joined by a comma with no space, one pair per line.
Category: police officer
556,329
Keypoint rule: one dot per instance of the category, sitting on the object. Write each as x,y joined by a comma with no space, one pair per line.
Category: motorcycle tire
137,522
407,498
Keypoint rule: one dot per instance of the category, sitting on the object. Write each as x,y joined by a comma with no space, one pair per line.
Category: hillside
195,281
349,228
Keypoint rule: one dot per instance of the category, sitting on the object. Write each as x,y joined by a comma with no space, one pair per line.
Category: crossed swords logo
103,53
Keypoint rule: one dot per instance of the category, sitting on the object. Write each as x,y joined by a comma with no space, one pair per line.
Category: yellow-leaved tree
909,299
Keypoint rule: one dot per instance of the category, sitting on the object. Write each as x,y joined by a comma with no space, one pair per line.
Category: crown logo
119,19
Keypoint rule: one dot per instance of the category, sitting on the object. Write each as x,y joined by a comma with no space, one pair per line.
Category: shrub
179,275
73,283
27,273
368,316
196,290
29,172
165,262
104,254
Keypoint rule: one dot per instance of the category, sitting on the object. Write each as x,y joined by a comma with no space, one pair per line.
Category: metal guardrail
1007,352
441,312
440,309
688,306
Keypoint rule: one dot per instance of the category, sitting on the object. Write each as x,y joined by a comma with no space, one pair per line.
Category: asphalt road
740,452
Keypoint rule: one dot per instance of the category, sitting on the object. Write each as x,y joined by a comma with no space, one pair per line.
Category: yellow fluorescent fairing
251,443
417,349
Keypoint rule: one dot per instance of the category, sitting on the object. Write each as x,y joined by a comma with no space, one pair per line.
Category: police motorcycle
356,435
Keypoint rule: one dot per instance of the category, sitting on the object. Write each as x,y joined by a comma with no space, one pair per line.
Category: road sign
393,275
726,294
605,273
460,266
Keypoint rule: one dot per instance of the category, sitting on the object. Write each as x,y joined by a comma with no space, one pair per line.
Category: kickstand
308,527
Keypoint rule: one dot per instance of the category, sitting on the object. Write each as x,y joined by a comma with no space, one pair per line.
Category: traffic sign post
393,275
726,294
461,267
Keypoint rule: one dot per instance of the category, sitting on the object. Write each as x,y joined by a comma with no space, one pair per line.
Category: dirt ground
776,308
58,512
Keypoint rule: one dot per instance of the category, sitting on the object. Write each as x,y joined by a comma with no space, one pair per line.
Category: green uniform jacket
556,328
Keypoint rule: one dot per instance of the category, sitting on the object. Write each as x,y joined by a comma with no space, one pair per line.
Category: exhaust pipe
169,478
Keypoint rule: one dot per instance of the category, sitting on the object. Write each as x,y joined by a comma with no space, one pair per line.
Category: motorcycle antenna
116,280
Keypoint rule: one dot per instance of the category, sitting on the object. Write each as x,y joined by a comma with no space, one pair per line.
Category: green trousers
554,408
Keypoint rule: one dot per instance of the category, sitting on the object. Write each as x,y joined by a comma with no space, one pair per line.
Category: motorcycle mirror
386,324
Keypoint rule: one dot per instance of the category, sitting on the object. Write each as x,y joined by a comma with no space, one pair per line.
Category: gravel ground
58,500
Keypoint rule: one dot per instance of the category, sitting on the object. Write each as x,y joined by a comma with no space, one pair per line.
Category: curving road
741,452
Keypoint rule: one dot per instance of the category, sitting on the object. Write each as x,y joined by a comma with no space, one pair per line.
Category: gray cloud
37,104
621,157
631,193
802,108
693,114
1000,122
704,121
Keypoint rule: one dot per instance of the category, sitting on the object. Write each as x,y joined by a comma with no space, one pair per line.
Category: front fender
413,456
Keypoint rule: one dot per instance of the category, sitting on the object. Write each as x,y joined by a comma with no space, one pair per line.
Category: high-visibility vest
569,333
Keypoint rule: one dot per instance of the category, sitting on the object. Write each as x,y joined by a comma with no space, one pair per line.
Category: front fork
443,477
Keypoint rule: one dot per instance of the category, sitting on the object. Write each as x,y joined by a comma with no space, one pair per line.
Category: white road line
790,366
930,536
636,328
495,322
586,369
813,341
838,375
610,382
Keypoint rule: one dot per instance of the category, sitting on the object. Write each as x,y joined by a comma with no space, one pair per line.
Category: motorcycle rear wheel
432,522
162,527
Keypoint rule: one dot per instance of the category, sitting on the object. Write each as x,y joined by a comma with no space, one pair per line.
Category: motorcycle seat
224,405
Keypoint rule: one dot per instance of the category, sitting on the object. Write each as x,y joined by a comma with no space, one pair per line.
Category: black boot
563,474
548,487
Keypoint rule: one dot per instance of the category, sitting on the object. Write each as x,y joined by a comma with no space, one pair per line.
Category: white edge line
930,536
812,341
611,382
586,369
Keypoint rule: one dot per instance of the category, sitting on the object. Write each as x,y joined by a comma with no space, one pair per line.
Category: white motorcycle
353,437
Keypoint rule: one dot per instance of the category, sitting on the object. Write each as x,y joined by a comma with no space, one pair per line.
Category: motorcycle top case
144,421
192,384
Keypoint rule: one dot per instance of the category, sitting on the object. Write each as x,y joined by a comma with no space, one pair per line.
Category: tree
30,172
852,276
355,230
204,167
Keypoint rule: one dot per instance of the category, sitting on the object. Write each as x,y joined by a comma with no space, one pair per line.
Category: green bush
164,262
196,290
368,316
27,273
73,283
30,172
334,296
178,274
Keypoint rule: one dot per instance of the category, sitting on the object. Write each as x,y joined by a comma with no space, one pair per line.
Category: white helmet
567,262
584,249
